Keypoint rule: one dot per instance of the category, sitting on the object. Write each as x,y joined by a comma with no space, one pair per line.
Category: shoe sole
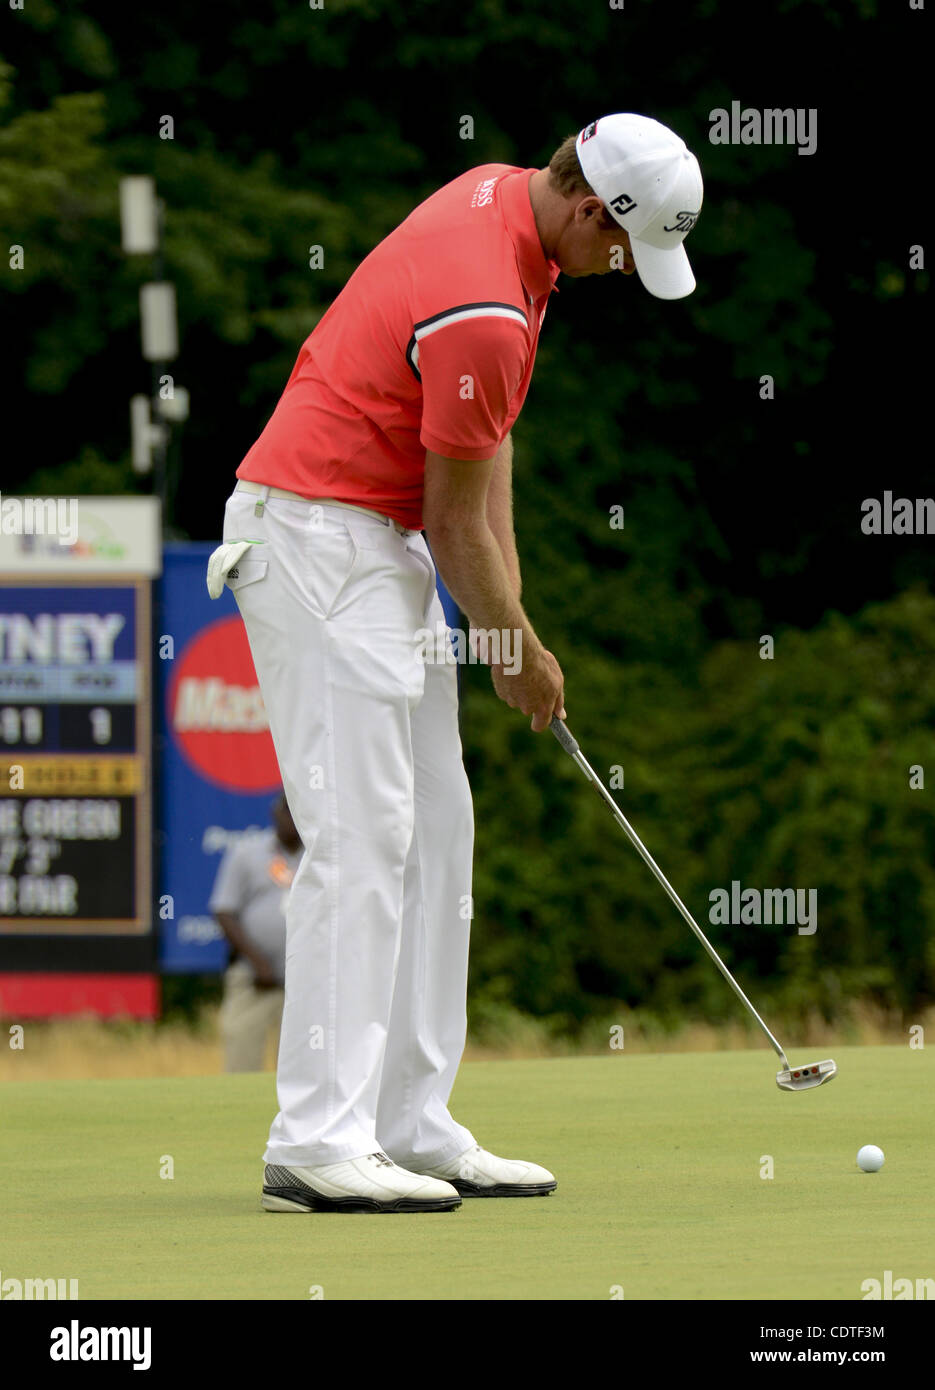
295,1199
503,1189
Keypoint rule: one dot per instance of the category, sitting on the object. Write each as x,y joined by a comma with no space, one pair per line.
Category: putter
790,1078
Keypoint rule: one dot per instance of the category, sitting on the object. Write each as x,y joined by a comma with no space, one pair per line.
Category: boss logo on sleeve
483,193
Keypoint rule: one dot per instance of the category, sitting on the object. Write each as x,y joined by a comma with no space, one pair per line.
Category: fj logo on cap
588,131
684,221
623,204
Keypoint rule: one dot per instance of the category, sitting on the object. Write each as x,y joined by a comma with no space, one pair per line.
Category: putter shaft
570,745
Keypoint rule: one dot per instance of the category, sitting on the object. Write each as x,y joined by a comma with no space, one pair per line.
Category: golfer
395,425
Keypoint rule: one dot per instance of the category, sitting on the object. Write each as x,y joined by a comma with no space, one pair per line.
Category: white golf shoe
371,1183
477,1173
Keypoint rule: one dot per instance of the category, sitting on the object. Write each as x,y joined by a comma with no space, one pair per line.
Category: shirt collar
538,274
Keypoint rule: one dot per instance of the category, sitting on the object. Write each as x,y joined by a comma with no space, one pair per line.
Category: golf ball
870,1158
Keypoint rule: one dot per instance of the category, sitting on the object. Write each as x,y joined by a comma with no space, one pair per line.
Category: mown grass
680,1177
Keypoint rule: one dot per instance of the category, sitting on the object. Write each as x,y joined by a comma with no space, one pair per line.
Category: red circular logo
216,713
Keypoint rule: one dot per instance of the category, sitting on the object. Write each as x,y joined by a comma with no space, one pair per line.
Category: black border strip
446,313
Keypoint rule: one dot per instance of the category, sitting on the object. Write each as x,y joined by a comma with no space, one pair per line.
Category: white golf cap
650,183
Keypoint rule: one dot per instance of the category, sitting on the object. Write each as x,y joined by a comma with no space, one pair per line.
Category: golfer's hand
538,688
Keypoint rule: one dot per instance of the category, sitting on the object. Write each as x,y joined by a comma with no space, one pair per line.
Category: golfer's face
591,250
619,253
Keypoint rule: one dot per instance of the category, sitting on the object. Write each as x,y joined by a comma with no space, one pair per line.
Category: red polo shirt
430,345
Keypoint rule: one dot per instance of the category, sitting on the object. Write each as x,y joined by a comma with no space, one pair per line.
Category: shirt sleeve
471,370
230,892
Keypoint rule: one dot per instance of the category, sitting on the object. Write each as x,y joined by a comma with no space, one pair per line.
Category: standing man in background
397,418
249,902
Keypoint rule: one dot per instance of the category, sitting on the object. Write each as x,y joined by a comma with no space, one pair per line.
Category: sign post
76,901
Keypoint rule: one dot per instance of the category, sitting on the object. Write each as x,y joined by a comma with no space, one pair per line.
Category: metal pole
161,442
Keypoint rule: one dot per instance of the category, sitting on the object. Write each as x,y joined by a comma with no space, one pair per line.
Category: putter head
803,1078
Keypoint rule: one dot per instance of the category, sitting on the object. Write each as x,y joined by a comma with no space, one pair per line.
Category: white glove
222,562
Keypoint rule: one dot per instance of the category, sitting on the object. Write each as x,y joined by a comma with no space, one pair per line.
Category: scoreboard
75,759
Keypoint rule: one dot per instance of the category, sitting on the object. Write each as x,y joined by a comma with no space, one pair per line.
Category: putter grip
563,735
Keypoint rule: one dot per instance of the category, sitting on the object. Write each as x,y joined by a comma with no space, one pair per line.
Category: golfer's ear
588,208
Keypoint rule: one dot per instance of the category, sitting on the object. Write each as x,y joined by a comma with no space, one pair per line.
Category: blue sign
199,816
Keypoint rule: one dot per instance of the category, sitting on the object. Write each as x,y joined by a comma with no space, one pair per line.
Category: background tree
295,128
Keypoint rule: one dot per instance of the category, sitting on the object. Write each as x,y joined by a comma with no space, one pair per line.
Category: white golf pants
379,914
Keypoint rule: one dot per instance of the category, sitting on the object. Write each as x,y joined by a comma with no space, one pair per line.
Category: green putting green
660,1194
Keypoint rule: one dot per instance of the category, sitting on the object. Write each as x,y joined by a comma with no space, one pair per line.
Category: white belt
263,491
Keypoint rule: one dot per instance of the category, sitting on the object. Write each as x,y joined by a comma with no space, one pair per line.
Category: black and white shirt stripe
458,314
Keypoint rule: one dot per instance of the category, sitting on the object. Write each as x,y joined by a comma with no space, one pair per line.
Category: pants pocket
246,572
331,554
225,563
419,550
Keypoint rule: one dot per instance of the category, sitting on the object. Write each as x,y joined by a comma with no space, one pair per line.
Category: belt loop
261,501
